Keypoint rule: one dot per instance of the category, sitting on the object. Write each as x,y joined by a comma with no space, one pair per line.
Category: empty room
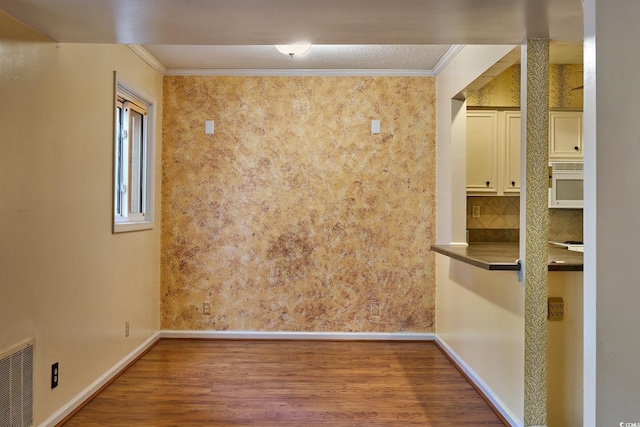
317,213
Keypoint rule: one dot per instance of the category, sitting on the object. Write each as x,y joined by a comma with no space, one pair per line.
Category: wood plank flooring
289,383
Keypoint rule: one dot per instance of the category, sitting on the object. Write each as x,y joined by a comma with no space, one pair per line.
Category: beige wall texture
65,279
565,89
293,216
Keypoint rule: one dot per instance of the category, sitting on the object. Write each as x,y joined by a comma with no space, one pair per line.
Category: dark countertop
503,256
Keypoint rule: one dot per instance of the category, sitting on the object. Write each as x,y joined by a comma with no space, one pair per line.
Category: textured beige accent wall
566,86
294,216
502,91
565,89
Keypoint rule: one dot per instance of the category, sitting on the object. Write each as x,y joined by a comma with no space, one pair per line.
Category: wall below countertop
293,216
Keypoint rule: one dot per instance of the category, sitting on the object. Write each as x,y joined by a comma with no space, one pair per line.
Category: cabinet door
512,137
482,141
565,135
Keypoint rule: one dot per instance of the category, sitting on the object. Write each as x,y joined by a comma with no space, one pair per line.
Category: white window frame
129,100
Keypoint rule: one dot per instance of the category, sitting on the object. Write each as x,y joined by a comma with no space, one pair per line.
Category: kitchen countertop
503,256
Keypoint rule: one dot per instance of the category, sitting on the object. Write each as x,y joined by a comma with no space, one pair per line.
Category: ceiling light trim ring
293,49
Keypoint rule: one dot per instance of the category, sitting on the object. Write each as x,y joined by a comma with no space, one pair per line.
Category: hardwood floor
289,383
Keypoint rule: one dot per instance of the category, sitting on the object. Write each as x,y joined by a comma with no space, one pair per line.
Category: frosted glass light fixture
293,49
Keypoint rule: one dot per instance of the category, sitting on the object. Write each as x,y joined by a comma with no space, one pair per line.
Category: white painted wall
480,317
612,212
484,324
65,279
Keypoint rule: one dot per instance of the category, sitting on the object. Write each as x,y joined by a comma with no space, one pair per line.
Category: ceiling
409,35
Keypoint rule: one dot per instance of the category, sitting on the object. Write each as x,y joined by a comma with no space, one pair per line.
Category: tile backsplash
500,218
565,224
495,212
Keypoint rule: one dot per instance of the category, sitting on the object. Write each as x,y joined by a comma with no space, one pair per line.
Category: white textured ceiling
207,29
324,57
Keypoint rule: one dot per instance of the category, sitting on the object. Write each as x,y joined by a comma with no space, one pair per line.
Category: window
133,162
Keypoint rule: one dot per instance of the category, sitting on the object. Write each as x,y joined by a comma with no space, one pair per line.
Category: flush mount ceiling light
293,49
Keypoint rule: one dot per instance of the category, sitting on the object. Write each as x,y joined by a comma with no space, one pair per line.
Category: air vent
16,386
567,166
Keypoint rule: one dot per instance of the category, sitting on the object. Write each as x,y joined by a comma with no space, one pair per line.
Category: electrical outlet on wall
555,308
54,375
206,308
375,308
475,211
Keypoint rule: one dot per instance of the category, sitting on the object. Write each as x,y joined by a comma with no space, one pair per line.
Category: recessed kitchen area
493,149
493,156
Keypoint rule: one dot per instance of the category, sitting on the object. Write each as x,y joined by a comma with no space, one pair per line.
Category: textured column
536,241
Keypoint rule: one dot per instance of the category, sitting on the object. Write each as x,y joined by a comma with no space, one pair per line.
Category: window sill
125,227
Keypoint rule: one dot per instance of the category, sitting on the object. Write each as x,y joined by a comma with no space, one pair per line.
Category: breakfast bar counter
502,256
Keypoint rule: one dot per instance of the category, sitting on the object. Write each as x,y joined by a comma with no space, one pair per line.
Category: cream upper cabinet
565,135
511,160
482,146
493,152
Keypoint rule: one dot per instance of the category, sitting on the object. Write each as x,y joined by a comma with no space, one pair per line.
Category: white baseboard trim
486,390
327,336
74,403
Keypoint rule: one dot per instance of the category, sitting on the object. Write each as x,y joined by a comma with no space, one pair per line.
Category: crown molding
300,72
148,58
448,57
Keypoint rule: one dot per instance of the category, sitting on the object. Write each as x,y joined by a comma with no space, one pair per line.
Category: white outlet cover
209,127
375,126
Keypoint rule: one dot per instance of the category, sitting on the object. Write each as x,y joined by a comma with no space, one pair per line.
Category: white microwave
566,185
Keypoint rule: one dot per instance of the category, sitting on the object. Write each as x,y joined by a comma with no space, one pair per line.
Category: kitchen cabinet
493,152
512,135
565,135
482,150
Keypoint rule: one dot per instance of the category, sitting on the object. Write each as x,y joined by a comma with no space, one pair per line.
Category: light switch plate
375,126
209,127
